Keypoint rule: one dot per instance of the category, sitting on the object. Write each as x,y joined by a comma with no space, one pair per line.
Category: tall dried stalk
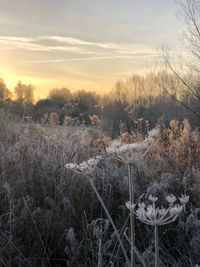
111,221
157,259
132,216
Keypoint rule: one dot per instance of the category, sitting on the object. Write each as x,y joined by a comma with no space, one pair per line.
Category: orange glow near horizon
44,85
54,44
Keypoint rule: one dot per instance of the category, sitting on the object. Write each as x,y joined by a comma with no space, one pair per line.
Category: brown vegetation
50,216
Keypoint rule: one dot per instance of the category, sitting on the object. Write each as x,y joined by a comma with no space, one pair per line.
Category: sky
82,44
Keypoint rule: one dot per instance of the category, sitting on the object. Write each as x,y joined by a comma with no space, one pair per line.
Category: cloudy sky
82,43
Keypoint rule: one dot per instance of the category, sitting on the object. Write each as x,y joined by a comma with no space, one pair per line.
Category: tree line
170,93
140,101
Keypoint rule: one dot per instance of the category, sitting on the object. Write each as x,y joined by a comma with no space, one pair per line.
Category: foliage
50,216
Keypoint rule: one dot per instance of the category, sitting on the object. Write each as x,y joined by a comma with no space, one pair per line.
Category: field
51,216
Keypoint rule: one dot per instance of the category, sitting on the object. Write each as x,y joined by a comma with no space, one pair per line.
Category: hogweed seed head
152,198
171,199
141,212
129,153
176,210
85,167
130,206
156,216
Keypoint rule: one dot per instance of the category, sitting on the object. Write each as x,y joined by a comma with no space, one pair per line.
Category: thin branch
180,78
182,103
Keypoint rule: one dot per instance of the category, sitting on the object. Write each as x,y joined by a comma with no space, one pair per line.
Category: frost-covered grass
50,216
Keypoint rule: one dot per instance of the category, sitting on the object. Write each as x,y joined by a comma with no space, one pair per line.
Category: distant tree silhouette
62,95
4,92
47,106
24,93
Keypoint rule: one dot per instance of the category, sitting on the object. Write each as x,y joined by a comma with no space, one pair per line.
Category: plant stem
157,260
100,254
111,221
37,231
136,252
132,217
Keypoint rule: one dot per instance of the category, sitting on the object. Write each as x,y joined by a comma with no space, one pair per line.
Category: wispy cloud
56,47
32,44
128,48
92,58
16,39
66,40
11,44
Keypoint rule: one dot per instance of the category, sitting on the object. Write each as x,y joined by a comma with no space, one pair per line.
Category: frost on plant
171,199
129,153
157,216
130,206
85,167
152,198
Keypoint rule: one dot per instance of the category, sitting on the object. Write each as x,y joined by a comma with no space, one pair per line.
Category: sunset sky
79,44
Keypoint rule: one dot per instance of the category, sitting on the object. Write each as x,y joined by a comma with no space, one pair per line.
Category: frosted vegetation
74,197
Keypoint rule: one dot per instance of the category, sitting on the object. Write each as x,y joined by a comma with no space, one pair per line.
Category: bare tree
24,93
190,16
4,92
188,71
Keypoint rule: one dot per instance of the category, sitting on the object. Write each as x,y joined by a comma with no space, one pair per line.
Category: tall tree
4,92
24,93
190,18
